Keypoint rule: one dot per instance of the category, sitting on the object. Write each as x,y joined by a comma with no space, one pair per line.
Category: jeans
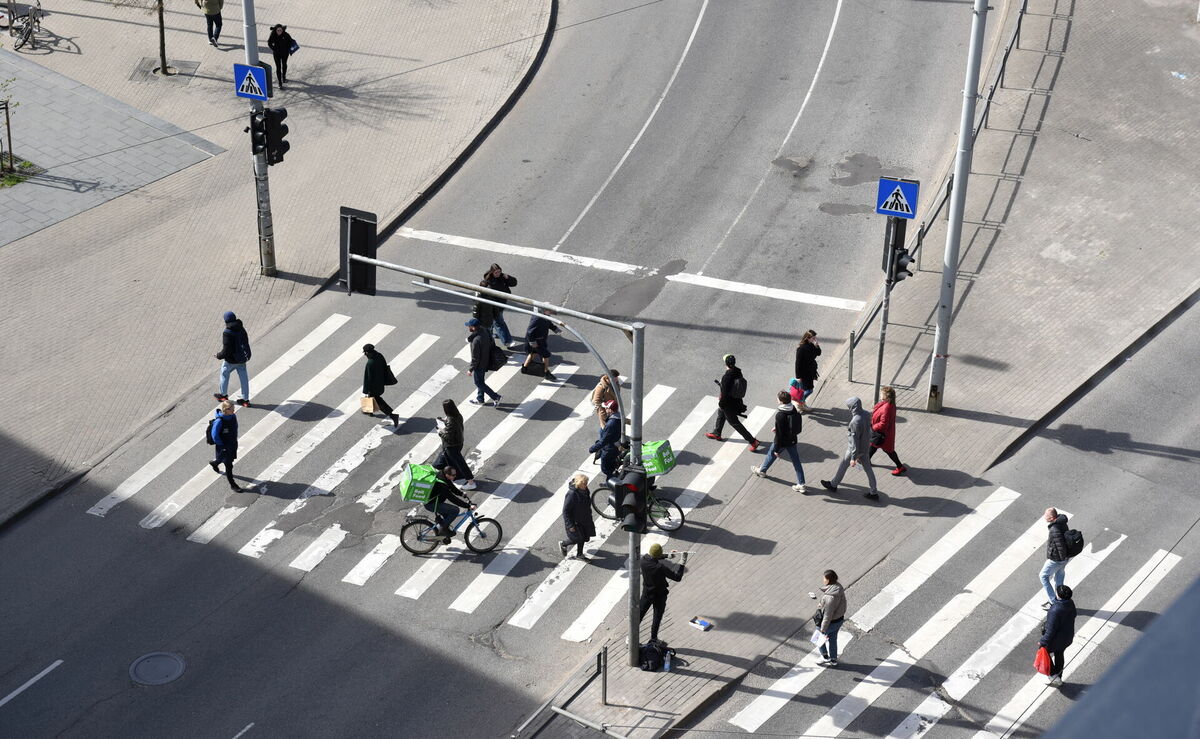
481,385
863,462
723,416
445,513
829,648
1056,570
792,453
500,329
214,27
808,388
659,602
243,378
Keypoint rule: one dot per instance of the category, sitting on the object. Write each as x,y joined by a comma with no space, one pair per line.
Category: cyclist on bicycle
444,500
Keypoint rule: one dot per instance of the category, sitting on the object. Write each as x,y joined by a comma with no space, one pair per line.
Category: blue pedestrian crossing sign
897,197
250,82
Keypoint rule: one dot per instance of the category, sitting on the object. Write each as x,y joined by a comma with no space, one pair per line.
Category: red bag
1041,662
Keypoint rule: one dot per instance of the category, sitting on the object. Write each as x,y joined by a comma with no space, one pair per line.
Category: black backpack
1074,541
652,657
208,431
738,387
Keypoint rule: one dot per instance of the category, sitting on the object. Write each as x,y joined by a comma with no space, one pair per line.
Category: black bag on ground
1074,541
653,655
208,432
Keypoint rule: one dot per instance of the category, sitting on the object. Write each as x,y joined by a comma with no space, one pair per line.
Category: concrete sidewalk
1077,243
133,214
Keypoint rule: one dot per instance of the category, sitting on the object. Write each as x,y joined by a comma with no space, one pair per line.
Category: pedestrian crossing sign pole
896,197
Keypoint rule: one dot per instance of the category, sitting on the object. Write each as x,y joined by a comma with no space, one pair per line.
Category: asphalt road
765,127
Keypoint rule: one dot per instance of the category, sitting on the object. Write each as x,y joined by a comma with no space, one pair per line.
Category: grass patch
24,171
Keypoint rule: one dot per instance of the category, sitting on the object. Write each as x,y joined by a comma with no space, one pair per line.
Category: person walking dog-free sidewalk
883,428
806,365
833,615
730,405
481,357
280,42
788,423
235,352
858,442
577,516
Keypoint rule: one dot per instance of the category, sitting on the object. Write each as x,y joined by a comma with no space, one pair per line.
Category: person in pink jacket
883,428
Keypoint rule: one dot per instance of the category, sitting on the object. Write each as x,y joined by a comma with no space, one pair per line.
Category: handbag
1041,662
819,616
368,405
877,438
293,48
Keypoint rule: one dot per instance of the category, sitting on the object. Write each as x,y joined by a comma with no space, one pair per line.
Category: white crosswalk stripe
320,548
783,690
376,559
215,524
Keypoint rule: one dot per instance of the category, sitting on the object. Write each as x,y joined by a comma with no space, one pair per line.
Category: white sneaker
800,488
1054,680
755,470
469,485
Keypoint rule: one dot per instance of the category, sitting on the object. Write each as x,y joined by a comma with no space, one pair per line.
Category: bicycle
23,27
665,514
420,535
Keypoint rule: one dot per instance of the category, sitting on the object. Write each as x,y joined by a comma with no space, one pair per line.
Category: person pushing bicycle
445,501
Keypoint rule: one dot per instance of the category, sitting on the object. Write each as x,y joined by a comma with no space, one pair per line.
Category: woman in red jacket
883,428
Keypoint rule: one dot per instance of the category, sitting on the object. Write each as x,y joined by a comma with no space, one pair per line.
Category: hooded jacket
452,432
577,514
481,349
224,435
1056,545
858,431
1060,626
610,436
235,343
376,374
655,573
727,401
883,420
833,605
788,422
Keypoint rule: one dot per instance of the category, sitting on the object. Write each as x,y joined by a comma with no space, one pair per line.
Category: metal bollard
850,360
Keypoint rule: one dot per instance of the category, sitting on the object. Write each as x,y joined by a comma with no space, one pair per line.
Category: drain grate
156,668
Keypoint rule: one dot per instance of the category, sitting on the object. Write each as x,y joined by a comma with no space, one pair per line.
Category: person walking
451,431
655,573
485,312
833,615
481,356
235,352
883,428
212,18
607,446
730,405
1056,555
1059,632
537,343
280,43
445,502
577,516
807,352
224,434
497,280
788,423
605,391
858,439
376,376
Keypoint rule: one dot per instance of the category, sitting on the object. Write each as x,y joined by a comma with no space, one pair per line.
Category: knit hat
472,322
229,316
730,360
656,551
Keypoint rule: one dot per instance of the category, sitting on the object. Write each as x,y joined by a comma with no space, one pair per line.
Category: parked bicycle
25,26
420,535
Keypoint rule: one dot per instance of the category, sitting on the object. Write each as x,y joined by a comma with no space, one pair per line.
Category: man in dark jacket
235,352
481,357
1059,632
655,573
787,436
537,342
445,502
1056,555
224,434
608,443
376,376
730,405
858,449
497,280
577,516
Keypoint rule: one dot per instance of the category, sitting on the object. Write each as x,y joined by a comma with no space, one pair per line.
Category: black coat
788,422
726,399
577,514
452,432
656,572
1056,546
235,343
806,362
502,283
1060,626
481,349
281,44
486,313
538,331
377,374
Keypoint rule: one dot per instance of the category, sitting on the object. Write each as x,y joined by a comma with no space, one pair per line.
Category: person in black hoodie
730,405
806,365
376,376
1056,555
280,43
481,357
655,573
1059,632
235,352
788,423
577,516
497,280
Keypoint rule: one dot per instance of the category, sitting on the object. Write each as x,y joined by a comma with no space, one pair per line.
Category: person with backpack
858,441
807,352
655,573
1058,632
482,349
788,423
537,338
607,447
497,280
376,376
235,352
451,431
1058,552
577,516
223,434
730,405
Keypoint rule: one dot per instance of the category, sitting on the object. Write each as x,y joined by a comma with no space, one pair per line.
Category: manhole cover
156,668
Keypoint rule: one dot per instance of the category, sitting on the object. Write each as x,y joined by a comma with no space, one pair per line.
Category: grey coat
858,431
833,605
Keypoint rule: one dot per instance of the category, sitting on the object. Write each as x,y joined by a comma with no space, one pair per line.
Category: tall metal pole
889,251
262,189
635,453
958,199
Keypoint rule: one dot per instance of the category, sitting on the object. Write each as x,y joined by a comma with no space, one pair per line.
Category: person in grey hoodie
858,448
833,615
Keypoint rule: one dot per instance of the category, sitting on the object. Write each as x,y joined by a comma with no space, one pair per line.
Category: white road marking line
550,511
779,152
257,545
931,633
567,570
653,112
617,586
741,288
190,490
783,690
1097,628
249,726
30,681
892,594
420,581
372,563
320,548
215,524
176,449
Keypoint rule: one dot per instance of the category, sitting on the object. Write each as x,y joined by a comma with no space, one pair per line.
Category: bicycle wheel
601,505
483,535
666,514
24,35
419,536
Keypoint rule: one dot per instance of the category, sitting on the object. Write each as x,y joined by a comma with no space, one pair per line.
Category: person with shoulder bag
482,349
376,376
224,435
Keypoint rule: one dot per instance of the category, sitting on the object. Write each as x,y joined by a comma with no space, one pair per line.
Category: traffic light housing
901,261
276,131
258,132
632,494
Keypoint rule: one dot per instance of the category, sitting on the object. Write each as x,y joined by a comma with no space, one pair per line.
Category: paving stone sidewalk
382,97
1077,242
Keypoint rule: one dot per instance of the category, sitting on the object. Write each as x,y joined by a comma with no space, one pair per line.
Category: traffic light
276,131
632,492
900,265
258,132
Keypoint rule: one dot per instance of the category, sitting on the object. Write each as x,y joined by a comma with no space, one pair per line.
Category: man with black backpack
730,404
483,352
1062,545
235,352
788,423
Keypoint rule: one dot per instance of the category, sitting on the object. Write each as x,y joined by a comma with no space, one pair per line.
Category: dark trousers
281,67
724,415
383,406
481,385
1057,660
660,606
214,27
228,468
895,457
453,456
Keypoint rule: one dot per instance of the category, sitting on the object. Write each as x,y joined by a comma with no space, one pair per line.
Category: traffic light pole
635,454
893,240
262,188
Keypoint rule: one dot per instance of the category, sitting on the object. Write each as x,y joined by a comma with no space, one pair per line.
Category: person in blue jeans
497,280
481,356
787,436
833,615
235,352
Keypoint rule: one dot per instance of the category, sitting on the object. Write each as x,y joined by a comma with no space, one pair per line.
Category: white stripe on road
216,523
550,511
617,586
741,288
256,546
876,609
930,634
783,690
264,428
176,449
320,548
371,563
565,572
30,681
422,579
1097,628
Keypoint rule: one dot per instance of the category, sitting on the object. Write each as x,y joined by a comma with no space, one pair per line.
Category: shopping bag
368,404
1041,662
657,457
293,48
416,482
